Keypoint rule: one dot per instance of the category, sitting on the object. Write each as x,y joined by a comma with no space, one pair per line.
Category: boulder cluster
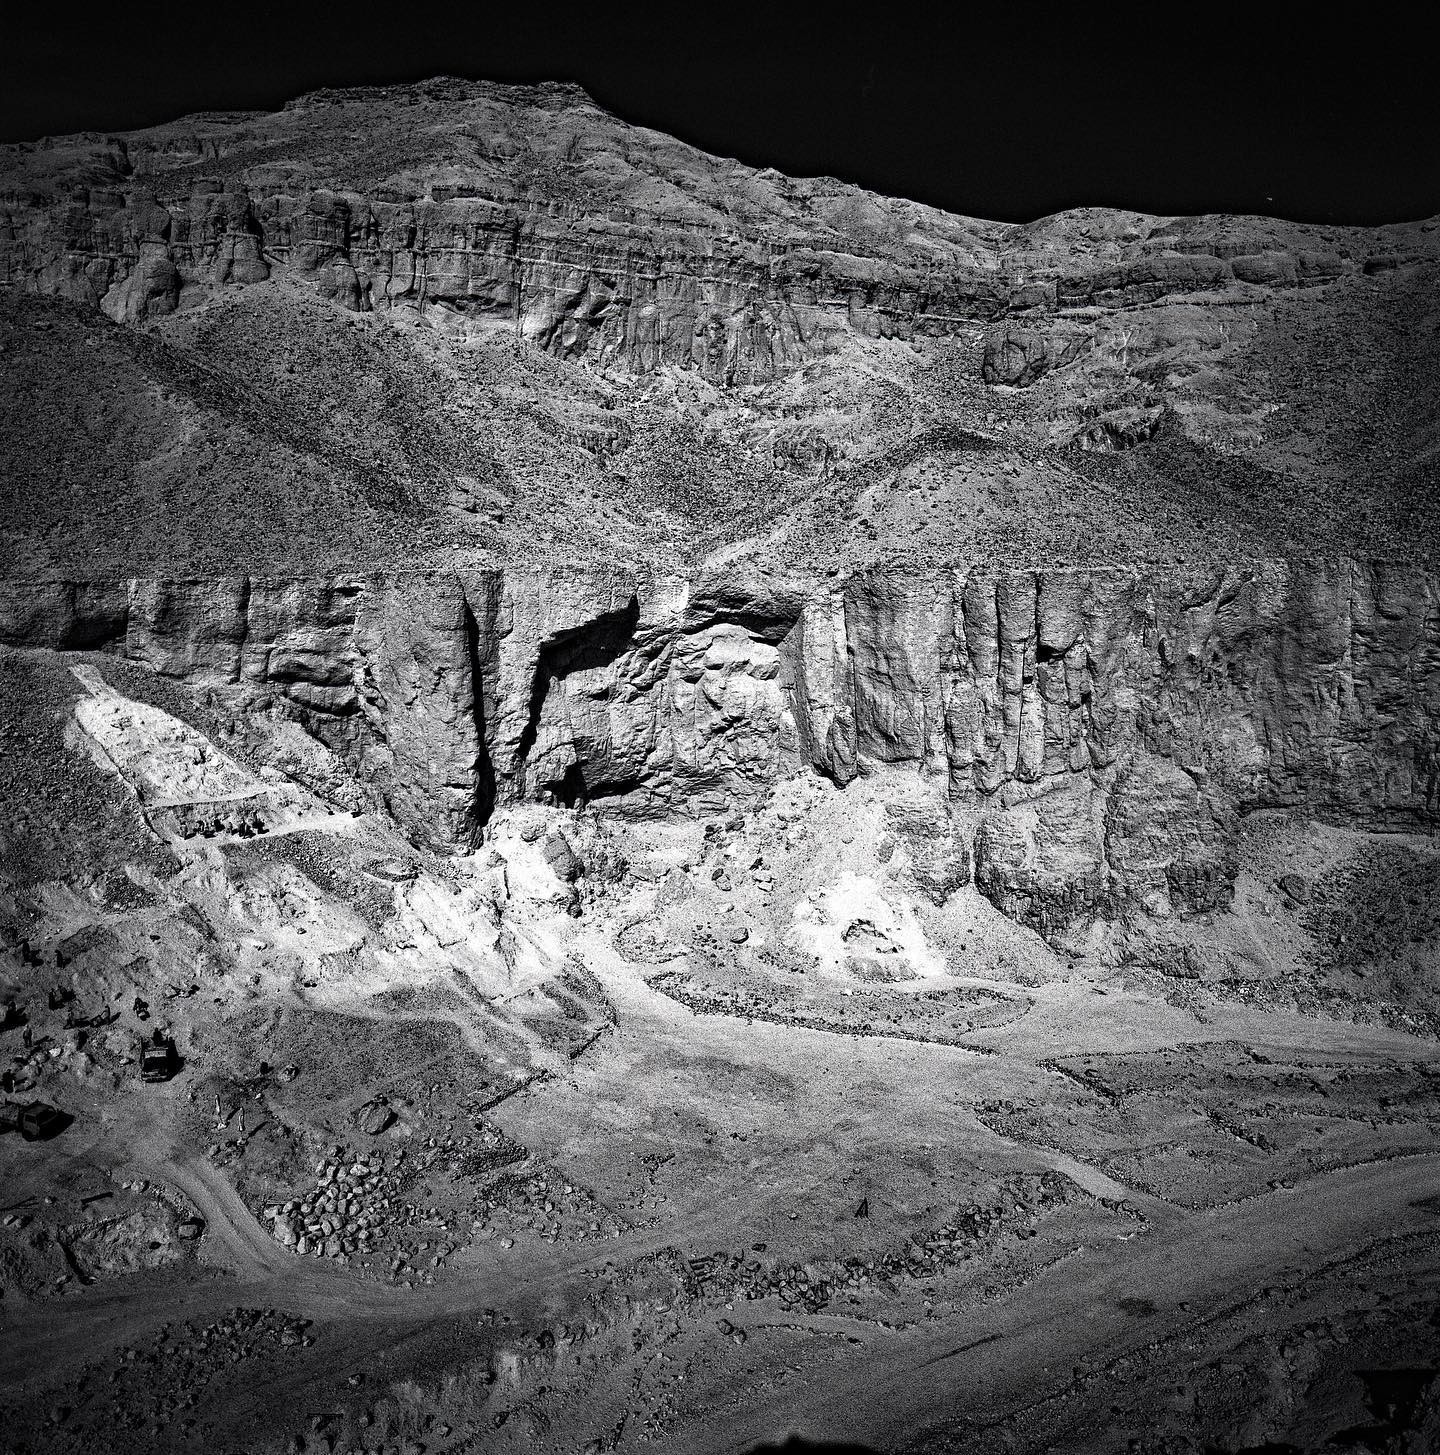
354,1203
930,1252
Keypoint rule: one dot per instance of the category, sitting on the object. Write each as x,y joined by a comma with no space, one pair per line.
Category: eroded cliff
467,321
522,453
1094,734
606,697
534,209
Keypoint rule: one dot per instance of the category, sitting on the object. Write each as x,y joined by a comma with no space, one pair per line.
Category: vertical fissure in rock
243,613
481,659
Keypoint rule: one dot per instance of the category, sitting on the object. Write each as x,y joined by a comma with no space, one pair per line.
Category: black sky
998,112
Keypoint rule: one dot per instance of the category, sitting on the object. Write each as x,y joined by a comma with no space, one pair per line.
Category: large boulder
562,858
1019,356
937,852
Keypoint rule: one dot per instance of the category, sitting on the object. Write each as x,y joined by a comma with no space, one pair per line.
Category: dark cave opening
571,791
579,649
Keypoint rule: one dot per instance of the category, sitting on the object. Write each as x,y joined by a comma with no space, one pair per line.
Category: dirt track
894,1385
1070,1316
1001,1357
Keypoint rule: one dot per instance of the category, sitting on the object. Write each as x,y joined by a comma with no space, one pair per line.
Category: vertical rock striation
1101,729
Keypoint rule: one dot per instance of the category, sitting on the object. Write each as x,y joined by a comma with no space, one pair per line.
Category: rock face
533,210
1103,729
547,222
629,288
496,603
677,359
463,323
1019,356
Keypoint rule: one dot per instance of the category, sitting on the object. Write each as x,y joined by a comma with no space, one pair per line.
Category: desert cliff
758,807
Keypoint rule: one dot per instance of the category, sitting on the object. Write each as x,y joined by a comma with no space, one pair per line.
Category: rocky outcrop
629,291
1084,740
1104,728
632,295
551,219
1019,356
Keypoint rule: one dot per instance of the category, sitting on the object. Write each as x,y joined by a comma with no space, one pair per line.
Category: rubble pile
419,1205
937,1016
930,1252
356,1200
541,1202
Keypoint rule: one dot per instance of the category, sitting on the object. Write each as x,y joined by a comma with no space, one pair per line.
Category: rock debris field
652,806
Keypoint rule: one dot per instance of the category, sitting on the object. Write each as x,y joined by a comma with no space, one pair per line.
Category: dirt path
231,1224
257,1271
1070,1315
996,1358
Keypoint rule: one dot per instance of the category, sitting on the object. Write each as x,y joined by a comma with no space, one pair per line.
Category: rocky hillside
727,786
517,452
467,322
1096,735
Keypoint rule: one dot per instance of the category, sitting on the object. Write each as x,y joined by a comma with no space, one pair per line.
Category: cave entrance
571,791
597,643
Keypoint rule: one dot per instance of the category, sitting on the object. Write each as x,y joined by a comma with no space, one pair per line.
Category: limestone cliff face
1100,730
632,293
627,289
533,210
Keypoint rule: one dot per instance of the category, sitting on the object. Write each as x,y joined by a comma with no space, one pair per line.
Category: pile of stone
491,1151
253,1327
358,1208
811,1286
539,1202
762,876
355,1201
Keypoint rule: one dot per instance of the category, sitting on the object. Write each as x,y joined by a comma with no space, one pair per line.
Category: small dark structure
35,1120
157,1058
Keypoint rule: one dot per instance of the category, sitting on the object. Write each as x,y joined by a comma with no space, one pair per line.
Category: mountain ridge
721,335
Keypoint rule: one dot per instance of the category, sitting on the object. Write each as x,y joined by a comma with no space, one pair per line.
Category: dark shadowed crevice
92,623
483,802
572,791
597,643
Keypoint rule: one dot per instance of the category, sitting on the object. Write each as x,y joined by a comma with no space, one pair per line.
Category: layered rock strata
1096,731
629,293
533,210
